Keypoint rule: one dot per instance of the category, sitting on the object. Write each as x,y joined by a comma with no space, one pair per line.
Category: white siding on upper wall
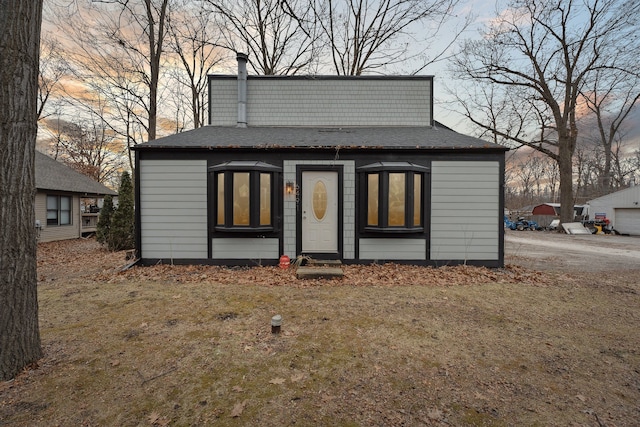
324,102
173,206
465,201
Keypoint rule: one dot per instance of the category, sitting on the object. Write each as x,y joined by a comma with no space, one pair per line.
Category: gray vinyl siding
324,102
349,206
465,200
173,206
246,248
51,233
393,249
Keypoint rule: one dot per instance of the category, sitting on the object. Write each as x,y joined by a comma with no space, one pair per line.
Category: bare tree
540,54
611,95
20,23
88,146
279,36
551,176
624,165
146,21
373,35
193,38
117,50
53,67
588,169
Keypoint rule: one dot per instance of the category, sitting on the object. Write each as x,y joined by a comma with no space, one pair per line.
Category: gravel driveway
562,252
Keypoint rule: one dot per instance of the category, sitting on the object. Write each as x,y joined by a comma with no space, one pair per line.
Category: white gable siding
324,102
465,204
173,203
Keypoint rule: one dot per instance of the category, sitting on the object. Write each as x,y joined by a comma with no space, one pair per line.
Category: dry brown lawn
385,346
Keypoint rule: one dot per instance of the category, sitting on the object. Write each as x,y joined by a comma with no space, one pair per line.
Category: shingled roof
54,176
395,138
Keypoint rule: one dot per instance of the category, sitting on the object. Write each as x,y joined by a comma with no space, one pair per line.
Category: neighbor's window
244,196
394,197
58,210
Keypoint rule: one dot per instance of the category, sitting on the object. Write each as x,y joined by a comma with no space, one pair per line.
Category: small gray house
348,168
60,191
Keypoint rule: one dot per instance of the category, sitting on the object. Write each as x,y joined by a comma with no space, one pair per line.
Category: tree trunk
606,176
19,54
565,164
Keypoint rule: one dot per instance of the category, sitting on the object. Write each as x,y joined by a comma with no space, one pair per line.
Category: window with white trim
58,210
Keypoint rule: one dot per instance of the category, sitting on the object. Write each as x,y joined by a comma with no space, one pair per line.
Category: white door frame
336,204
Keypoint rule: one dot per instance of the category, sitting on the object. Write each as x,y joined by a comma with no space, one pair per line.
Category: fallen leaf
277,381
327,397
297,377
153,418
238,408
435,414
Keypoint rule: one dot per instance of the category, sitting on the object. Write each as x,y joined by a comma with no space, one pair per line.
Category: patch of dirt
553,251
387,345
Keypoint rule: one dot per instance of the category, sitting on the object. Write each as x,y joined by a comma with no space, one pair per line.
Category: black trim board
362,157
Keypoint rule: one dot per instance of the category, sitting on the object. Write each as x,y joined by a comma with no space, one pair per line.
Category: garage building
622,208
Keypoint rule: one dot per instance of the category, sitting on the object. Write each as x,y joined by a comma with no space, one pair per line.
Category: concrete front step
315,272
325,262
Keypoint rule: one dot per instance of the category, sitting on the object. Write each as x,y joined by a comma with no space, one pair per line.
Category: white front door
320,211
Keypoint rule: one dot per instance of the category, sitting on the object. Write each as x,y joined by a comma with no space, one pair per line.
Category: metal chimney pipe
242,89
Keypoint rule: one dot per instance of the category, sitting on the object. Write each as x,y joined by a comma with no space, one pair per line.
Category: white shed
622,208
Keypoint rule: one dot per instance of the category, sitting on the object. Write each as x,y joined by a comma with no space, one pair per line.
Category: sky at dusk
483,11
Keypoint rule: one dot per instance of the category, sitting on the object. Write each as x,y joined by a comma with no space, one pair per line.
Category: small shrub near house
116,226
103,229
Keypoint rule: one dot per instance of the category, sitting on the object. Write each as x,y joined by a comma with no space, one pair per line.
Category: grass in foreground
150,348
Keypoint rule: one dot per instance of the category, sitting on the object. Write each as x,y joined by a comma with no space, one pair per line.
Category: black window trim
255,169
383,169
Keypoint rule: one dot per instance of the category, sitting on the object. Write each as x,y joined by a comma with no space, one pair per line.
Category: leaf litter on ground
388,344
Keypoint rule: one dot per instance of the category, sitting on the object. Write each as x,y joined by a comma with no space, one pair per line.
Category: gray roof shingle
397,138
53,175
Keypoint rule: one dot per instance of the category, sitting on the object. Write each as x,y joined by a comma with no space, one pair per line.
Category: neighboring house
349,168
622,208
60,191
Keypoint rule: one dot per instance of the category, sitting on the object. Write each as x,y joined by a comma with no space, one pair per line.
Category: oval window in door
319,200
